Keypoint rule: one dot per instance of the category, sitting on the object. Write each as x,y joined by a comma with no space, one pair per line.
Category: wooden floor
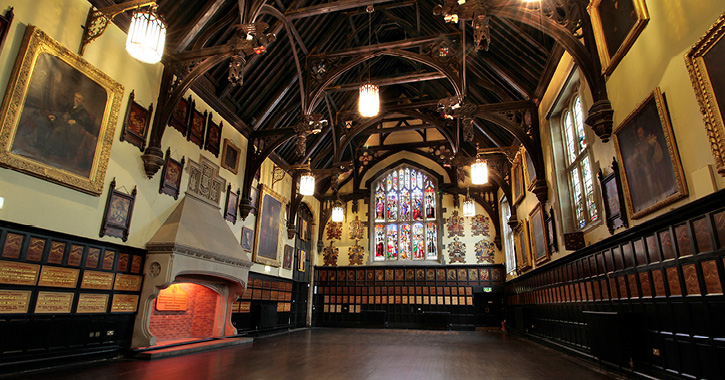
350,354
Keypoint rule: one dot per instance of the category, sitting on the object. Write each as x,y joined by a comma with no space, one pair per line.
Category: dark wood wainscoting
423,297
63,296
648,300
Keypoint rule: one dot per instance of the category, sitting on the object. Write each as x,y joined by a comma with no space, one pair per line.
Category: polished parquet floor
350,354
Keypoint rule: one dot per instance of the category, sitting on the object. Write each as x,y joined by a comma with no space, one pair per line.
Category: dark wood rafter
315,93
585,55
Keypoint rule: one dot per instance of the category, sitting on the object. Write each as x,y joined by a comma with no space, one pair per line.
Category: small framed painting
551,231
230,156
213,139
254,199
171,175
287,260
613,198
302,259
522,246
230,212
539,245
616,25
136,123
117,215
180,116
197,126
530,170
247,239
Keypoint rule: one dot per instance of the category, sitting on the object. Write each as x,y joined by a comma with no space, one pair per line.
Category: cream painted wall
32,201
655,60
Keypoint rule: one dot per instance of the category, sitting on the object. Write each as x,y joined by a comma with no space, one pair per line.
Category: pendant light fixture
469,208
479,172
307,182
338,213
146,35
369,99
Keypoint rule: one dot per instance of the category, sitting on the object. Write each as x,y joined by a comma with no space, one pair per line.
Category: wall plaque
245,307
14,301
53,302
97,280
127,282
15,273
92,303
124,303
58,277
172,299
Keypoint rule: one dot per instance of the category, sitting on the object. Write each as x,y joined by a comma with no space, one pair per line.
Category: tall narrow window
577,164
405,226
508,236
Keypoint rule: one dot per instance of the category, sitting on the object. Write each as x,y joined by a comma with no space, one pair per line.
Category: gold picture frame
58,116
518,192
539,236
268,234
652,174
704,63
616,25
521,245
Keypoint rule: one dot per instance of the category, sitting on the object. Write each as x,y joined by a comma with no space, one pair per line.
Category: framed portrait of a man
652,173
616,25
58,116
269,230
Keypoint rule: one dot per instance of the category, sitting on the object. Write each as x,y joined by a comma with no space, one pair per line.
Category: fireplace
194,271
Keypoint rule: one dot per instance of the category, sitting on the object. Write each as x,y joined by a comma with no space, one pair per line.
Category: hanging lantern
469,208
479,172
338,214
146,36
369,101
307,184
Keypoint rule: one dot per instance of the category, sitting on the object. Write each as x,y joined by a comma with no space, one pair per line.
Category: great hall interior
475,181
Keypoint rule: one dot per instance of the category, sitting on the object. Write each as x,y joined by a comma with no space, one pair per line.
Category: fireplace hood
194,244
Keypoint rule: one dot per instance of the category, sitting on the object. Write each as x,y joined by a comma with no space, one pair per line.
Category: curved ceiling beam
337,72
272,11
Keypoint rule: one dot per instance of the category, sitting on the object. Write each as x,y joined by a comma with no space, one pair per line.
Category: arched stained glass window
405,226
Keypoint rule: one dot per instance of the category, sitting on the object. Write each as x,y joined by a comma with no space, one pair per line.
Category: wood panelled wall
64,295
664,280
406,297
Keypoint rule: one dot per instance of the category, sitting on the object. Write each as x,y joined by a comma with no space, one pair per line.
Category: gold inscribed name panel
124,303
97,280
127,282
15,273
14,301
58,277
53,303
92,303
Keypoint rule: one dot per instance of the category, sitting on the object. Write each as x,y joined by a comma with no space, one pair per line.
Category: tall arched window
405,212
581,180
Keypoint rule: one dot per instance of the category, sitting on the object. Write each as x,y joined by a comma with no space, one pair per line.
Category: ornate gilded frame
539,248
230,148
266,223
521,245
610,62
36,43
705,92
666,126
518,191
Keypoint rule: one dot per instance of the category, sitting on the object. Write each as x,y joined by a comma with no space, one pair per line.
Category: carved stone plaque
204,181
172,299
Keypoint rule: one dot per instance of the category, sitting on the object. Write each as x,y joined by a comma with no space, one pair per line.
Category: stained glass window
578,165
404,198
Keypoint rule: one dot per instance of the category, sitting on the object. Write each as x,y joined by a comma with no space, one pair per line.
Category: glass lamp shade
369,101
338,214
307,184
146,36
469,208
479,172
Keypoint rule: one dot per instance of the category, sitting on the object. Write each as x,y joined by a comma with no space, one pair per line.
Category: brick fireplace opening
184,311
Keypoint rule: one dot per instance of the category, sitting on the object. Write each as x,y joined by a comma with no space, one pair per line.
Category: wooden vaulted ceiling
516,68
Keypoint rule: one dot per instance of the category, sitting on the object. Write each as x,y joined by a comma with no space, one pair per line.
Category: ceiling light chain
369,97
